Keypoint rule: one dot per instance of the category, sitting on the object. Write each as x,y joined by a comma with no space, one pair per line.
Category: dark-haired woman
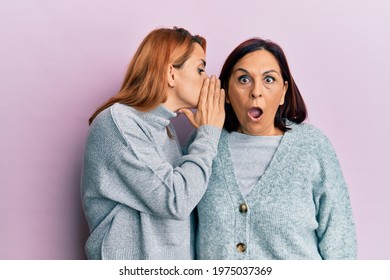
276,189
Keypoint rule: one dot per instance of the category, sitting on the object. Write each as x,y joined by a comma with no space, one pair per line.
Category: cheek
196,87
274,102
238,106
237,98
234,93
198,82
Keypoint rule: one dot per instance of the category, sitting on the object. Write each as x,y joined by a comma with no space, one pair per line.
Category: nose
255,92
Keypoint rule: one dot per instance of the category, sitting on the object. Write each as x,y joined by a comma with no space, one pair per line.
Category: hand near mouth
211,110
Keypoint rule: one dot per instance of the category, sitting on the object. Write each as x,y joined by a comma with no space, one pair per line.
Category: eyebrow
204,62
265,73
271,71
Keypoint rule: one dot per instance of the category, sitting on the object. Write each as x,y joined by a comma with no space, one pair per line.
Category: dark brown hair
293,109
145,85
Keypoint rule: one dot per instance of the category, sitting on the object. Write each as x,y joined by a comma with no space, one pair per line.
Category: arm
336,229
144,181
138,175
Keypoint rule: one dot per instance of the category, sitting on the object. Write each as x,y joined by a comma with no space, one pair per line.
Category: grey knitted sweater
138,190
299,209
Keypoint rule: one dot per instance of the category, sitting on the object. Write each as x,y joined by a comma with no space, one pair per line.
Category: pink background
60,59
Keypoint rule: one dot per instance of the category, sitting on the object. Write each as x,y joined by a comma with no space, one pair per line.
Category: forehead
260,59
198,52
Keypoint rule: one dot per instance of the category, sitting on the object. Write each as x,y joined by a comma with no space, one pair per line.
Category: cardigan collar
264,185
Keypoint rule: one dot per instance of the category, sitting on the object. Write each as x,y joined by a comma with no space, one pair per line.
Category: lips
255,113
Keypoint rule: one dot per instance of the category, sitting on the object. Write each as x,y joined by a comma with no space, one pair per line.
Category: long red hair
146,84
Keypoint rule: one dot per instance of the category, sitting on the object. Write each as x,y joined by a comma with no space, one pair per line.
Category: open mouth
255,113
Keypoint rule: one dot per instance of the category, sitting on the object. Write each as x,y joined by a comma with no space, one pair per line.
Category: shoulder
124,116
128,120
313,140
118,113
117,121
306,129
308,134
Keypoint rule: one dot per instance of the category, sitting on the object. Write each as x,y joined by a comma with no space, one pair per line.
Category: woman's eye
244,79
269,80
200,70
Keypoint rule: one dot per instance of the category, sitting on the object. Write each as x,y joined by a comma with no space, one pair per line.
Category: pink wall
60,59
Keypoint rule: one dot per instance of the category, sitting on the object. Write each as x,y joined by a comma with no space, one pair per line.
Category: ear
285,87
171,76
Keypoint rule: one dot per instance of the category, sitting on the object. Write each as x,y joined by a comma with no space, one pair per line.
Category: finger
211,91
190,116
217,92
203,93
221,101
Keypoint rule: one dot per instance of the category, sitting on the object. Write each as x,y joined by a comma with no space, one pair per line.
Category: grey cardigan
138,190
299,209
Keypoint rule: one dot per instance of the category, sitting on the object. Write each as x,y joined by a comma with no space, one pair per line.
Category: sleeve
336,229
141,178
188,142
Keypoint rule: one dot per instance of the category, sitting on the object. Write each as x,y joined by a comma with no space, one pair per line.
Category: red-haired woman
138,189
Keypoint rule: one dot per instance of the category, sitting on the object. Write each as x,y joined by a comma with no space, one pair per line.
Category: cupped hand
211,105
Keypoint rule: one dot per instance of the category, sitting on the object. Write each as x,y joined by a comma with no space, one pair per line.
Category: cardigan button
241,247
243,208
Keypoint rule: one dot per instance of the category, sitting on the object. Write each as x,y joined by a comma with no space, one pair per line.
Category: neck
174,104
170,106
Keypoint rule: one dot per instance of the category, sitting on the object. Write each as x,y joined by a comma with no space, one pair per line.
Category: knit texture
138,190
251,155
299,209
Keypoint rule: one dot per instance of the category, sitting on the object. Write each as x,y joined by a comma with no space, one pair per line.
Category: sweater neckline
160,115
264,184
